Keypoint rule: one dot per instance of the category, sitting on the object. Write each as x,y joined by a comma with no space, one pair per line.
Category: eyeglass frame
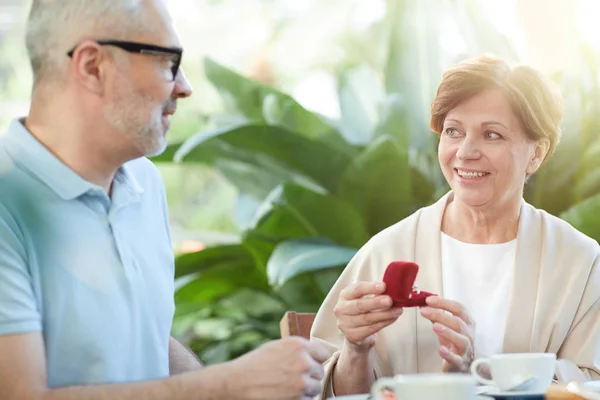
144,48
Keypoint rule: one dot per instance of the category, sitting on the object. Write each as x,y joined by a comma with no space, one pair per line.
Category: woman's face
484,152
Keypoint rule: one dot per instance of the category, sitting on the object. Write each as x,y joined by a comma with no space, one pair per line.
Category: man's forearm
209,384
181,359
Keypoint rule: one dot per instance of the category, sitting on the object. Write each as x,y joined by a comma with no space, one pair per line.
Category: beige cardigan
554,305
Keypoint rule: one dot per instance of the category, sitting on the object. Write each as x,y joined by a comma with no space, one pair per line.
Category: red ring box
399,278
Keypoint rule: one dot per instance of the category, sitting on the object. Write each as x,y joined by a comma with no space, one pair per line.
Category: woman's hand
455,330
362,311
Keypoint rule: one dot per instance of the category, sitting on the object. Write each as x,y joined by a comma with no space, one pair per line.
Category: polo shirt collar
38,160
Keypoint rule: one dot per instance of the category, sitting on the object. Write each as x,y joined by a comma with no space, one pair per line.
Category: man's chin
157,150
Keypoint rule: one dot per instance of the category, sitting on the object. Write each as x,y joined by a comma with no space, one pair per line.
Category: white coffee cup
508,370
426,387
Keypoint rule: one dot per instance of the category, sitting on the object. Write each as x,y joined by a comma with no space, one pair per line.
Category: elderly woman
509,277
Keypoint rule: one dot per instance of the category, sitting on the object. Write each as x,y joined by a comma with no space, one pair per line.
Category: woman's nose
468,149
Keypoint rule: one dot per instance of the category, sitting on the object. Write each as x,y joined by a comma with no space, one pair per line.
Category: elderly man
86,267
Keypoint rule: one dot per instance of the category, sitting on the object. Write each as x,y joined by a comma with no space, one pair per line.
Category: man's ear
89,62
539,154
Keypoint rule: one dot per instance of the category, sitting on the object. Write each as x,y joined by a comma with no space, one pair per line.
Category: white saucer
366,396
496,392
592,385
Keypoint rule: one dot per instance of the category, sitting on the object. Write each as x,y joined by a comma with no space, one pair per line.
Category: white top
479,276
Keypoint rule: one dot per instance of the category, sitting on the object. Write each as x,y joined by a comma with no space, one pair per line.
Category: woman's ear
540,150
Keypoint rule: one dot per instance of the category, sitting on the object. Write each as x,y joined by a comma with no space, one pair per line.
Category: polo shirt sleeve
18,307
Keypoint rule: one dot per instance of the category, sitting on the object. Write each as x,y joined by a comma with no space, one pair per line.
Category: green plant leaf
394,121
585,216
301,293
413,66
216,353
256,179
283,111
360,95
253,303
168,155
222,280
260,245
378,184
242,94
296,257
306,212
261,103
212,257
317,161
589,185
552,187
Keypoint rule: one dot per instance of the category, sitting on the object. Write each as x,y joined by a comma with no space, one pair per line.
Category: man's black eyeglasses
142,48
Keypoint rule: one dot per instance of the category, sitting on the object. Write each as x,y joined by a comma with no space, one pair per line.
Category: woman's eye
451,132
493,135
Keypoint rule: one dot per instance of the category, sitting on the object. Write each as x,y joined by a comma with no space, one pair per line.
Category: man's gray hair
55,26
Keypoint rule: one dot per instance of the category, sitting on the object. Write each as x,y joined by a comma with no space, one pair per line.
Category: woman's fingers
444,318
362,306
453,307
359,334
460,341
361,289
451,358
368,319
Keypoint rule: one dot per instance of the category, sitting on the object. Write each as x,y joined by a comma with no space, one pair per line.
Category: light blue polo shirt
94,275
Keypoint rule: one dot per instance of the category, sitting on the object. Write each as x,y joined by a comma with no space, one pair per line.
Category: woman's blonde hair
535,100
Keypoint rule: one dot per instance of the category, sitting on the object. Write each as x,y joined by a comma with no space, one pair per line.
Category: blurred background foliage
308,133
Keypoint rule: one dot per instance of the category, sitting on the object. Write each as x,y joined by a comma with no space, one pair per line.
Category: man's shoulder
143,167
14,182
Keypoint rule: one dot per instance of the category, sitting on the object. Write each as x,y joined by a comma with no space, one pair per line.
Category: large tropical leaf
270,145
295,257
211,257
378,184
412,66
589,185
260,103
361,96
260,245
394,121
225,280
585,216
168,155
311,213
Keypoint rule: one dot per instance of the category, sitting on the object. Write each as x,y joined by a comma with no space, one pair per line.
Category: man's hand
286,369
455,330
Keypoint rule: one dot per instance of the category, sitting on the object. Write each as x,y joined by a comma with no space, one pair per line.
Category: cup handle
380,384
474,365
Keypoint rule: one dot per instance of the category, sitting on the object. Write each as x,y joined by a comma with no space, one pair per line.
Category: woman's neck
498,223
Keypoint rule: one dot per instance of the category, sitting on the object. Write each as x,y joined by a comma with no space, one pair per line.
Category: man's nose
182,88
